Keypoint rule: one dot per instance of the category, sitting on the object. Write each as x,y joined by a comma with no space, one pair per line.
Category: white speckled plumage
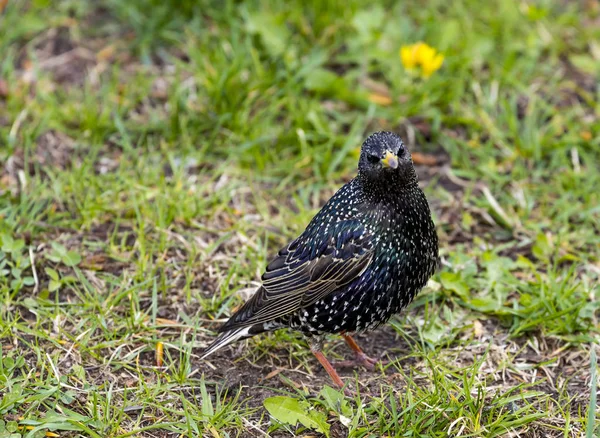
361,259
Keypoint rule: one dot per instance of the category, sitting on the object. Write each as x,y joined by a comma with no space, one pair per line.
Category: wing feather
305,271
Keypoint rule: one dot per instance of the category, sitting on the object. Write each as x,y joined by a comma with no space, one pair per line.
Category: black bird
361,259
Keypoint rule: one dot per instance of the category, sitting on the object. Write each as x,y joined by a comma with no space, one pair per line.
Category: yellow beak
390,160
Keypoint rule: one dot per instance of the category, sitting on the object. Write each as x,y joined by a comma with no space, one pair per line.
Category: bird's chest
409,257
403,262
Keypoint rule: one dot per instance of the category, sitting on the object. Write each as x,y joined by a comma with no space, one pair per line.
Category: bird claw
364,359
359,359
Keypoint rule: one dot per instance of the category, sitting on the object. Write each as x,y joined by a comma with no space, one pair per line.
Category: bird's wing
306,271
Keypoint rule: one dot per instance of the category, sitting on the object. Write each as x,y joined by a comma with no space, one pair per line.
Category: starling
362,258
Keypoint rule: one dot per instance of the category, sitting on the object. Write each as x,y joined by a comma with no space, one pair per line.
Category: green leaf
11,245
585,63
71,258
368,21
272,31
485,304
434,331
12,426
543,248
58,249
67,397
53,257
332,398
524,262
52,273
535,13
335,401
30,303
79,372
291,411
322,80
525,299
54,285
589,310
8,362
454,282
16,273
10,399
450,33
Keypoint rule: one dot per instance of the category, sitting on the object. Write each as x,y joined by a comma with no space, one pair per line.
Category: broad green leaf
434,331
368,21
58,248
291,411
54,285
79,372
335,401
542,247
332,398
16,273
485,304
11,245
322,80
52,273
272,30
71,258
585,63
452,281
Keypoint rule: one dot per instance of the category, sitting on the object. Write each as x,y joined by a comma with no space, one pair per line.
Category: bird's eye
373,158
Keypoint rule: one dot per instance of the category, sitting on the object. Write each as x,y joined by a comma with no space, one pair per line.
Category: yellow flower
423,56
407,54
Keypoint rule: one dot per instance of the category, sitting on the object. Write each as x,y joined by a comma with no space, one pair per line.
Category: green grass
155,154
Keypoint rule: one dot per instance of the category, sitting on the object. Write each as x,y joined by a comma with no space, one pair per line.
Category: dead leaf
380,99
3,84
106,53
159,354
272,374
214,432
163,321
424,159
477,328
94,262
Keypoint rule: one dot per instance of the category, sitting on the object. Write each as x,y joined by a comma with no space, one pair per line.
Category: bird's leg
358,351
360,356
329,368
337,380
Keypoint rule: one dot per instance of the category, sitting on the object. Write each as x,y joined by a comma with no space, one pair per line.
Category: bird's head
383,156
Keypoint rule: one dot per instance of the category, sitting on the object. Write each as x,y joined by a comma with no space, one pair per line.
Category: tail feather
226,338
236,334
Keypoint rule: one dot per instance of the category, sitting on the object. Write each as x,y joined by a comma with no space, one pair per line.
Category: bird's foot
349,393
359,359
